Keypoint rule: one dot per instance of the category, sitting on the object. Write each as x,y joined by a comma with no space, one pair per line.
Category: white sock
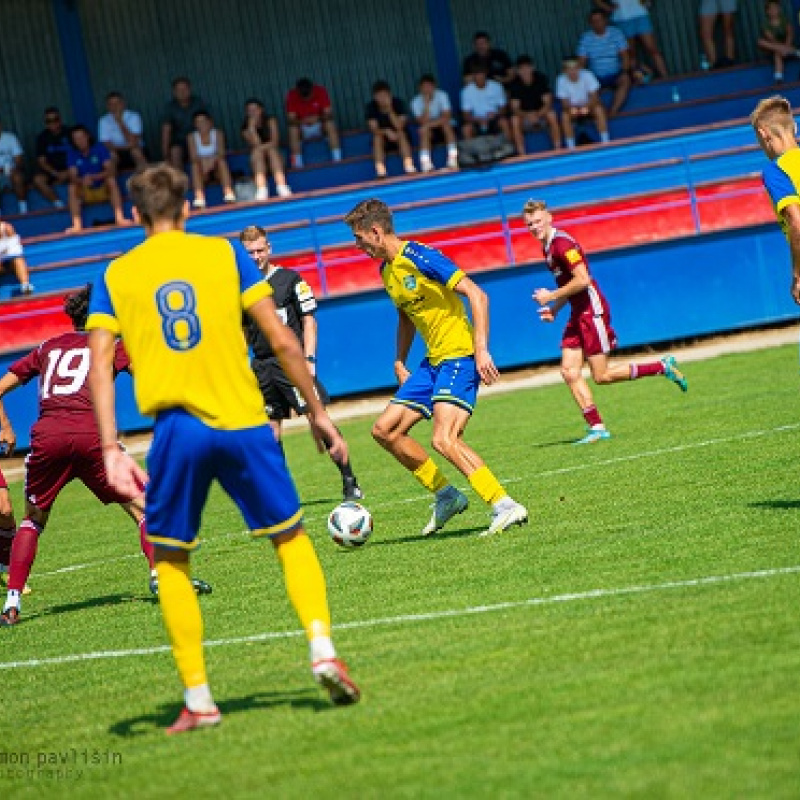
452,150
502,504
199,698
778,76
12,600
336,154
297,161
599,427
604,137
321,649
23,206
570,143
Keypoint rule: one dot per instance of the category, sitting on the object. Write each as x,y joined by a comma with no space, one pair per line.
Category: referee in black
296,304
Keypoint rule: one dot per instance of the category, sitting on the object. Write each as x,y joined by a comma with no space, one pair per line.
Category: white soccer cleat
444,509
513,514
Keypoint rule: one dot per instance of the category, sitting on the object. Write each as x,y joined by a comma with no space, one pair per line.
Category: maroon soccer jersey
563,256
62,364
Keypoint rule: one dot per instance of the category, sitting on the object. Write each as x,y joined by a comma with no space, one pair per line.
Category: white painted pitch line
430,616
426,497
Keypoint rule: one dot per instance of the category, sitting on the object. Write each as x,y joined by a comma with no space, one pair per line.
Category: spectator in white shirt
12,168
604,50
483,104
11,254
578,90
120,130
433,114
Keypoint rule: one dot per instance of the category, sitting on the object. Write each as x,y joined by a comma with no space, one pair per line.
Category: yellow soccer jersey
420,281
177,302
782,181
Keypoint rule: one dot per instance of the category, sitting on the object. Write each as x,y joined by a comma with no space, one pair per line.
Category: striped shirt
603,52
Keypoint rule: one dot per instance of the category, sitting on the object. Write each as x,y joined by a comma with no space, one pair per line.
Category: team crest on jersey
573,256
303,291
410,282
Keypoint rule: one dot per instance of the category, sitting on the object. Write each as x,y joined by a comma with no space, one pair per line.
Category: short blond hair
252,233
368,213
532,206
775,114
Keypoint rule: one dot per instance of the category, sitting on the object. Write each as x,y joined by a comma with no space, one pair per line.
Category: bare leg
555,131
707,35
44,188
620,93
20,267
276,166
332,132
390,431
116,200
730,39
517,135
259,167
198,182
651,47
379,154
449,422
571,366
176,156
74,202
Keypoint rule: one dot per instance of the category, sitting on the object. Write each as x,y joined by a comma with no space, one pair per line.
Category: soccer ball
350,524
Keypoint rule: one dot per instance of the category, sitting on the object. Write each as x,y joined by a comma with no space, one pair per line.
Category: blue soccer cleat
444,509
594,435
671,372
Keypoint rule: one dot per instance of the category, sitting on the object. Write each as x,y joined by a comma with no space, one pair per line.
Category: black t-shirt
182,117
530,95
293,300
262,130
381,117
54,147
497,63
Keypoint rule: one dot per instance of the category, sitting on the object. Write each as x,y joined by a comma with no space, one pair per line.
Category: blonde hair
368,213
252,233
532,206
775,114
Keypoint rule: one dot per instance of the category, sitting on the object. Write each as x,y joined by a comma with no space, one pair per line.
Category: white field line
426,497
430,616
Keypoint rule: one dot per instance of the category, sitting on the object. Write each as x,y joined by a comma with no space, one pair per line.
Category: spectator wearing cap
120,130
531,104
603,49
484,107
52,147
579,93
494,61
310,115
432,112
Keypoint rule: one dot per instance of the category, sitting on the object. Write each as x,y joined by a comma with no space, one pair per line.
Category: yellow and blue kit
782,181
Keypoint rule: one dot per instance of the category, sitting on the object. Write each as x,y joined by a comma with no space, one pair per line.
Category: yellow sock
430,476
305,585
181,613
486,485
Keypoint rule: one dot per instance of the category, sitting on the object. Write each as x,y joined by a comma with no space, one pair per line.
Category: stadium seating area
672,169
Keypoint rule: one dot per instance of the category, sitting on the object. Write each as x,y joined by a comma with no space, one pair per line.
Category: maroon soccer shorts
591,333
56,459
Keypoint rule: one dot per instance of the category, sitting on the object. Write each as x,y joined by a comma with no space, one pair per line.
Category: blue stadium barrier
658,293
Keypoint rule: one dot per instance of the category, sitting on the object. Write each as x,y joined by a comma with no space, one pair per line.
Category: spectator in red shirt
309,113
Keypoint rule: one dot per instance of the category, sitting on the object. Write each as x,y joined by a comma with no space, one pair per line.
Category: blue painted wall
671,290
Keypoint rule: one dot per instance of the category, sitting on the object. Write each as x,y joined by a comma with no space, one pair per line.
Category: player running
8,523
64,445
296,304
177,300
427,288
776,131
588,335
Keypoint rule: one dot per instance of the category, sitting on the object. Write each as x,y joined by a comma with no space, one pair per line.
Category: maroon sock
592,416
6,538
646,370
147,547
23,553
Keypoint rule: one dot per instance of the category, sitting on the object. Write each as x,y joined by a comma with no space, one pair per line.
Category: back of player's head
369,213
532,206
76,307
775,114
159,193
252,233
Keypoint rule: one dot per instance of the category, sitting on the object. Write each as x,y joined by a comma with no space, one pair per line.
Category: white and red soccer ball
350,524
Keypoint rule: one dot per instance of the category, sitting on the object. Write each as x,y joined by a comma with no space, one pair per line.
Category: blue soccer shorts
187,456
453,381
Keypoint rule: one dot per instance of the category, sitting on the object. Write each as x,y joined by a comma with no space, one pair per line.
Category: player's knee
570,374
383,434
443,443
602,377
6,511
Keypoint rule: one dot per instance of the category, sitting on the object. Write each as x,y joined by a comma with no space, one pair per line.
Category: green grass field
639,638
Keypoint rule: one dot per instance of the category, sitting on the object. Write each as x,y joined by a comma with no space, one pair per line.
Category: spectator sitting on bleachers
309,114
93,178
432,112
777,37
260,131
604,50
483,105
11,253
632,17
178,122
207,154
12,168
120,130
52,146
495,62
579,93
387,119
709,11
531,104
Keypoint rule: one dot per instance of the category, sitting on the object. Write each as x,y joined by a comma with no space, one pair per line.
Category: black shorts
280,396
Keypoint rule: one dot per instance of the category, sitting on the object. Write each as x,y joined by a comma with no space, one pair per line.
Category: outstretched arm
479,305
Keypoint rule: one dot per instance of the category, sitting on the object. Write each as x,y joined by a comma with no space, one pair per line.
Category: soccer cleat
191,720
331,675
9,617
514,514
444,509
594,435
351,490
200,587
671,372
